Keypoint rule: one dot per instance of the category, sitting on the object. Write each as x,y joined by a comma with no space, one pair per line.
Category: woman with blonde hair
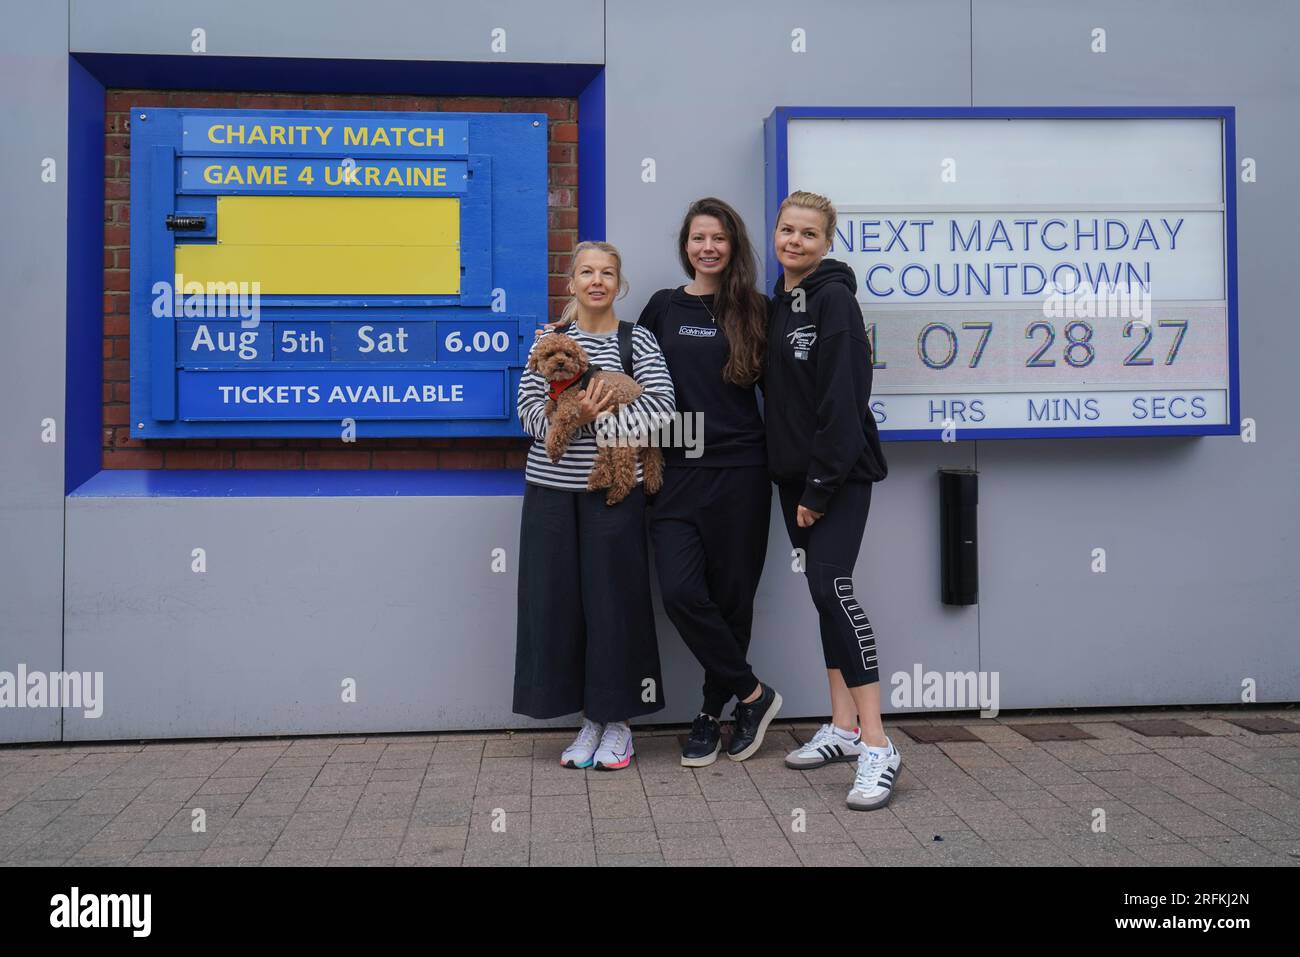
824,454
586,639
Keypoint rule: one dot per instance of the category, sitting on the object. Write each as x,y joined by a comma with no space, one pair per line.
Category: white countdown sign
1031,272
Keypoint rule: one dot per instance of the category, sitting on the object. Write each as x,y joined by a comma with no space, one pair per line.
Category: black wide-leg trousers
586,631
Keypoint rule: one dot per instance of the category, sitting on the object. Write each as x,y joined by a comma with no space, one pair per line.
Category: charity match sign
294,273
1031,272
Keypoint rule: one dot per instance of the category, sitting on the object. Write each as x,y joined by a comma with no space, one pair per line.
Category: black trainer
703,743
751,721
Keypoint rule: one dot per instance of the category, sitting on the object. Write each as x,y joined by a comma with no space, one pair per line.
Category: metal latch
186,223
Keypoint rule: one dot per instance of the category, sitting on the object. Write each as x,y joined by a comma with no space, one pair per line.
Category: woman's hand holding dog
549,327
595,401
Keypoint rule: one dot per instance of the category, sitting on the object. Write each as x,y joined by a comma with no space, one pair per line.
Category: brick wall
120,450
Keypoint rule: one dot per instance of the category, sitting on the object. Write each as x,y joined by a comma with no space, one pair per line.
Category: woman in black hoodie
824,454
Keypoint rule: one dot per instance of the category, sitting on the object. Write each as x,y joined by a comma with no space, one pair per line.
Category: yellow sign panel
332,245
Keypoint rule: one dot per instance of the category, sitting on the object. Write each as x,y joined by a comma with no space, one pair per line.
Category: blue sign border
776,182
89,77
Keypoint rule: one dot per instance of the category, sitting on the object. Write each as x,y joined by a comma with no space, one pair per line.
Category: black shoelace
741,716
701,727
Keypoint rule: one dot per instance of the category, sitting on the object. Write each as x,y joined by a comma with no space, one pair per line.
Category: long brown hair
740,308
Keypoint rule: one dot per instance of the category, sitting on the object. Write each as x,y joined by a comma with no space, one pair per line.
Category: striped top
653,407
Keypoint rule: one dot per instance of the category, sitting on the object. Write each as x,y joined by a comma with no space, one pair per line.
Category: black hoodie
817,389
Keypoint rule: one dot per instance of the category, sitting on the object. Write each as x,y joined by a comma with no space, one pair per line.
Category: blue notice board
292,270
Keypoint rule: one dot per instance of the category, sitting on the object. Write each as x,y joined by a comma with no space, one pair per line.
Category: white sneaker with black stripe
873,785
826,747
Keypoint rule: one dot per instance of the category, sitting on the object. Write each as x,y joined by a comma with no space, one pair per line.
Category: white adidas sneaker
873,785
826,747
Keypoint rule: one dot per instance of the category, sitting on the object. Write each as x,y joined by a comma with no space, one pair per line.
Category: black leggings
831,548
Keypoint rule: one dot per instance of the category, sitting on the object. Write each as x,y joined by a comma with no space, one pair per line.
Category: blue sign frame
89,77
777,187
495,164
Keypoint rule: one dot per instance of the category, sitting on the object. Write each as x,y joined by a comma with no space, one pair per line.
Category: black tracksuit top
817,387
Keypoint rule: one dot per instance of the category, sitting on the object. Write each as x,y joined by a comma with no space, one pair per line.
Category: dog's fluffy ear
532,356
584,361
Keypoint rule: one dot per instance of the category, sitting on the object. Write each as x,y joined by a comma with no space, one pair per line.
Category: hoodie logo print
802,339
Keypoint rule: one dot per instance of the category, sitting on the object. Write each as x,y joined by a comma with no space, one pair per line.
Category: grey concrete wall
558,31
1201,590
33,275
398,593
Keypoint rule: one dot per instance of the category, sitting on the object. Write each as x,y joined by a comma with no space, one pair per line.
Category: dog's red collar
561,385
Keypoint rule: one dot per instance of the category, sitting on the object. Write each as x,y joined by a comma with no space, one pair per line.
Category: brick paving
1229,797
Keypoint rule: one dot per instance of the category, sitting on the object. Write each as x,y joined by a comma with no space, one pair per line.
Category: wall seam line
975,450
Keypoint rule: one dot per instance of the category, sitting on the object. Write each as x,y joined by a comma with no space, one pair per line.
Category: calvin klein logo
697,332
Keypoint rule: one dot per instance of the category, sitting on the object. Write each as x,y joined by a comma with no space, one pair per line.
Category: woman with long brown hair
709,523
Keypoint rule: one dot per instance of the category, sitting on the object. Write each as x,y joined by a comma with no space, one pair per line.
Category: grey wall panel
397,593
299,594
690,85
33,276
558,31
1201,589
693,98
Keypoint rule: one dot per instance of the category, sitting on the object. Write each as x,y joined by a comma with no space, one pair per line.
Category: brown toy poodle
561,360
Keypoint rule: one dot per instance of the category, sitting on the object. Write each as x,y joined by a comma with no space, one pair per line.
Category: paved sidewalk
1230,797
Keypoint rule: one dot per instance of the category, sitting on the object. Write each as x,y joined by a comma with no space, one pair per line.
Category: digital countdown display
1031,272
296,272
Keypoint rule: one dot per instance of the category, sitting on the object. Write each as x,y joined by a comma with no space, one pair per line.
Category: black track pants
709,531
